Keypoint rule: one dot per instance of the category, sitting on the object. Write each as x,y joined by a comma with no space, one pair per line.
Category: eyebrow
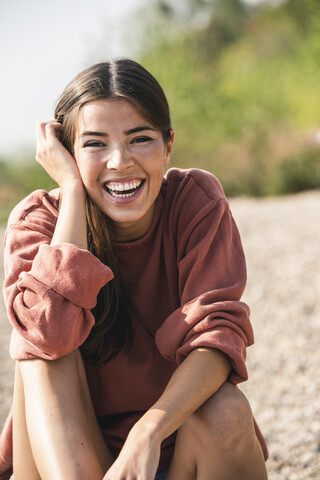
88,133
141,128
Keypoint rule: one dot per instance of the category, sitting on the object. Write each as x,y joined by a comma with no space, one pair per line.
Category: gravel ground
281,238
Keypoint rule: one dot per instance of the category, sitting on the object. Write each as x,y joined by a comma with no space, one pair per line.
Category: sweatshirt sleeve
49,290
212,277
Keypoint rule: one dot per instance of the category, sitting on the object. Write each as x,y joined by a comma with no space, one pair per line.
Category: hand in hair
53,156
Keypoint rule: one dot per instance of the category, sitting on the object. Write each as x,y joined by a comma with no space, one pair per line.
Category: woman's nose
119,159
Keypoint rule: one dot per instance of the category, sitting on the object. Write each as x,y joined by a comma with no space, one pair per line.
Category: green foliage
226,25
17,180
300,172
243,86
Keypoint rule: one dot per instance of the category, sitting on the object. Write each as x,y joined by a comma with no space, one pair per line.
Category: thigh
64,434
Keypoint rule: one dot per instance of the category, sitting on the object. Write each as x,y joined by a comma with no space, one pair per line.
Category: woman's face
121,158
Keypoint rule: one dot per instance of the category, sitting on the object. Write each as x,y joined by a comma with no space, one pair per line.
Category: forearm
71,225
200,375
63,169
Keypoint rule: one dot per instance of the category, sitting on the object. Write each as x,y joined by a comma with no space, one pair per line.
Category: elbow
51,337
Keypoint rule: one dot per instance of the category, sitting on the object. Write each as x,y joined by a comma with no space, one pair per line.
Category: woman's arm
212,278
196,379
46,261
71,224
62,167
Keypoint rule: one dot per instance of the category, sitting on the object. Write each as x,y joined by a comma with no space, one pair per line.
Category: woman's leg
55,429
218,442
23,460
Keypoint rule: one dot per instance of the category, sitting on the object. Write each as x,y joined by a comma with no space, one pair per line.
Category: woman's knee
225,420
58,378
39,368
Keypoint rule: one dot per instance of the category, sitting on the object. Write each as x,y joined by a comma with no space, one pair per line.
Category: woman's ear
169,146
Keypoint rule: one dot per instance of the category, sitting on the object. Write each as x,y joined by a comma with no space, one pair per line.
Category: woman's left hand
138,459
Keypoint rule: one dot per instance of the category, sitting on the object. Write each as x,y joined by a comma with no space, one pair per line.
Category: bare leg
65,438
218,442
23,461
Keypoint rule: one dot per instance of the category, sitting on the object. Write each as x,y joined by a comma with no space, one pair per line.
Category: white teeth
122,195
115,188
120,187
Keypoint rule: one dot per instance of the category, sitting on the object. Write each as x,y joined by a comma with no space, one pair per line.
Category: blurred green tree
243,84
242,81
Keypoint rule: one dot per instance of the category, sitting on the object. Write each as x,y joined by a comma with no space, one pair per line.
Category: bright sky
43,44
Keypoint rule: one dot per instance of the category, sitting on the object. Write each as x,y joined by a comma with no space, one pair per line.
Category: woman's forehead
109,114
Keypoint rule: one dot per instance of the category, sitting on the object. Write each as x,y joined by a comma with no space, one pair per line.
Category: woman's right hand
53,156
58,162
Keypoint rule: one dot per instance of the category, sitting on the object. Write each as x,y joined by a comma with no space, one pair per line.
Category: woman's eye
141,139
94,144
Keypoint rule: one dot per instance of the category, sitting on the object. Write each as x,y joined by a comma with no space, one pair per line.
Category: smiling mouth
124,190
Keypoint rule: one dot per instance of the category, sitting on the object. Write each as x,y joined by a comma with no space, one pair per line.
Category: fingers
48,135
53,156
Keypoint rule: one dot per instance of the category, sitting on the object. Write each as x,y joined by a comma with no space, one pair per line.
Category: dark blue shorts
161,475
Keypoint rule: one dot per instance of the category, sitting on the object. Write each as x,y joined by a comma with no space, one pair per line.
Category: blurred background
242,78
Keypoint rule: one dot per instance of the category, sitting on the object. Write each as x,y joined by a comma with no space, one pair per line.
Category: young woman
123,287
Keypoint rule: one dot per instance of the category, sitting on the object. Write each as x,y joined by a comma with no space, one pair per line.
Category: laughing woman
123,287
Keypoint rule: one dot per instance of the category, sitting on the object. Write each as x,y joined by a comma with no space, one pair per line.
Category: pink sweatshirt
183,279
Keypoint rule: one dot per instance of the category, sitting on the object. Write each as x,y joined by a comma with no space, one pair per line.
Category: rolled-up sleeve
49,293
212,278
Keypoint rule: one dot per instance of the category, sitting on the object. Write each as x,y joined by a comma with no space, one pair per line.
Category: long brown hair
121,78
